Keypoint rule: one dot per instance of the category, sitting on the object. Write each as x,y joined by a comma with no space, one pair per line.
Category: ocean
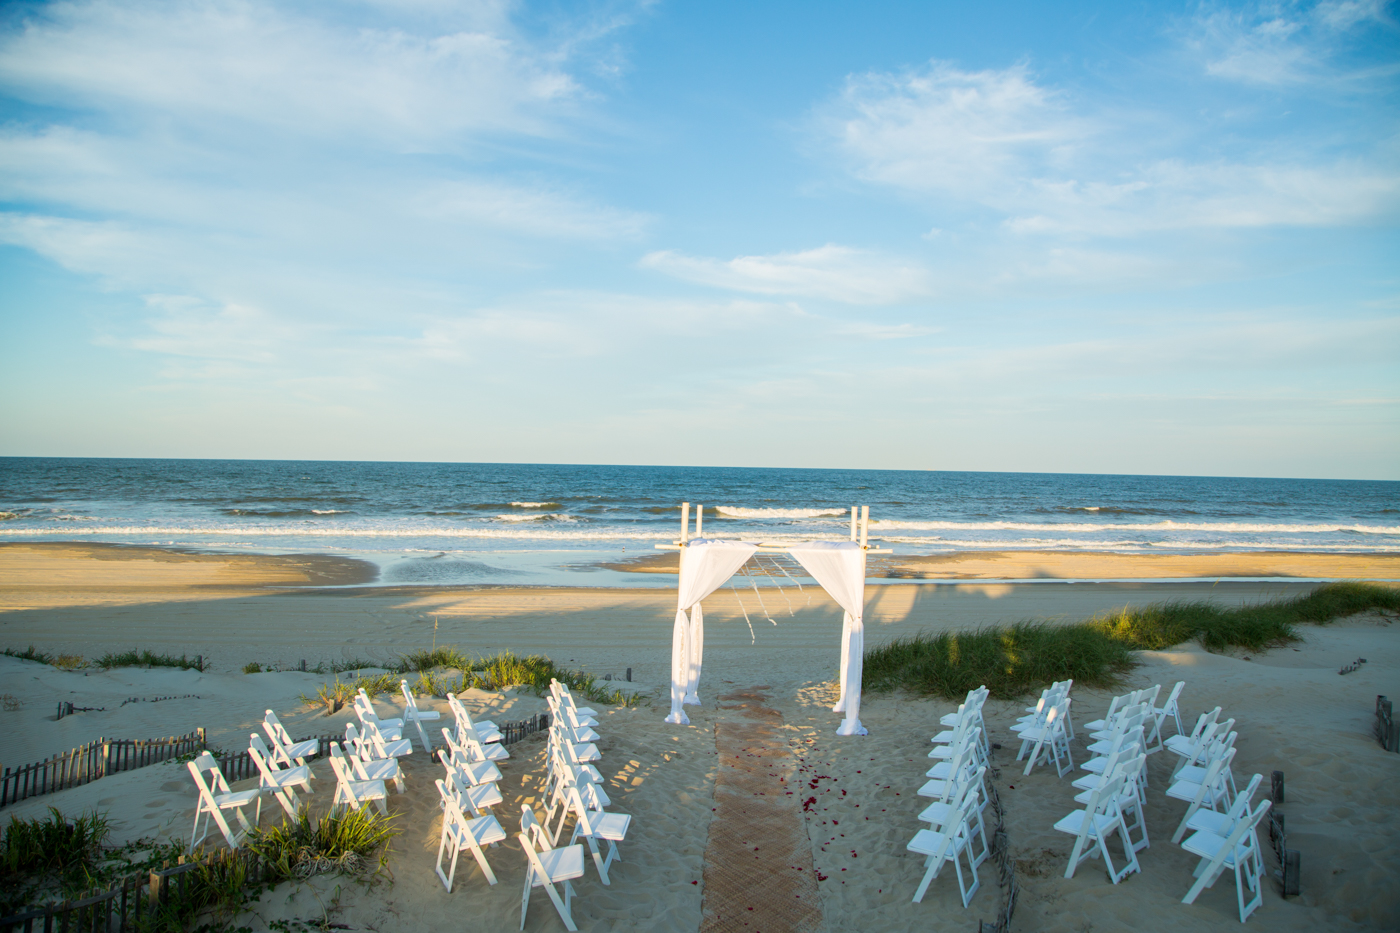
551,524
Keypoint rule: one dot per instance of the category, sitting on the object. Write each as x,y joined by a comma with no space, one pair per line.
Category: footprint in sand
157,803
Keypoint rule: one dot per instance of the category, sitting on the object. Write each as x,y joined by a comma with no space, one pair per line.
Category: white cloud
1276,45
835,273
229,64
1048,164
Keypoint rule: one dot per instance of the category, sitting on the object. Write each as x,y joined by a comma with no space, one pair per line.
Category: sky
1025,236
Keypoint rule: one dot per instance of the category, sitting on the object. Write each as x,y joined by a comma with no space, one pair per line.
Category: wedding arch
707,563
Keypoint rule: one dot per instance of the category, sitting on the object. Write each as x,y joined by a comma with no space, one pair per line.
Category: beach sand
1294,712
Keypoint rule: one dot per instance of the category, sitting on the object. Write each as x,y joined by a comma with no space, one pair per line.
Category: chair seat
1096,725
587,751
482,772
1088,781
936,813
928,842
426,715
1102,747
398,747
494,752
610,825
381,769
949,719
489,735
1194,773
303,749
1206,845
561,864
1187,790
1096,765
1212,822
942,770
942,751
1180,744
297,775
483,795
368,790
1129,794
584,711
932,788
485,830
945,737
240,798
1103,825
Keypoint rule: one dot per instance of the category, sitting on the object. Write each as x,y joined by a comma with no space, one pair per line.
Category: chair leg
525,896
930,873
561,905
481,860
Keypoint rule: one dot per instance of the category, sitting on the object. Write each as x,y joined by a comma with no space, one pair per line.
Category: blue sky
1128,237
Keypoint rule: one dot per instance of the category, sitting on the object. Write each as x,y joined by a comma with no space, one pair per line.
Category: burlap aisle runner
758,860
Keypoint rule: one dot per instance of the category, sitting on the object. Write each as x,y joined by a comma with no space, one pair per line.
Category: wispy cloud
835,273
1276,44
1048,162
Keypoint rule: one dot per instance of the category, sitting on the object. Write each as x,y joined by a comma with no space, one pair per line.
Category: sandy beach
1294,712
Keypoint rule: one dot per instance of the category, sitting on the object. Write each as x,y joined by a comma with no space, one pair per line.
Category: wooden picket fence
92,761
133,903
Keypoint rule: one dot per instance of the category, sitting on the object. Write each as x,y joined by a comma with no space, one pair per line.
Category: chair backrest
207,776
1242,836
259,751
275,730
1103,800
1172,698
1244,799
1129,767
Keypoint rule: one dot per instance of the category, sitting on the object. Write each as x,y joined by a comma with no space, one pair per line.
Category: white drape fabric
839,566
706,563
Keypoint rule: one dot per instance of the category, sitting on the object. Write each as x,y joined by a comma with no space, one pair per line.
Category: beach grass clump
1010,660
436,658
53,844
1018,659
28,654
134,658
306,846
252,667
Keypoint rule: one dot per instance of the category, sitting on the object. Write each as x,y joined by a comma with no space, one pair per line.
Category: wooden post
864,525
685,522
855,521
699,520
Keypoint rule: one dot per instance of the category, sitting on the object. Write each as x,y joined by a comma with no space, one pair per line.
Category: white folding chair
941,812
412,714
476,798
1052,738
480,772
382,745
593,824
564,695
1170,708
369,767
485,728
282,783
1238,851
284,751
391,729
939,848
1129,800
1183,744
350,792
1211,792
548,866
1222,823
1093,826
460,833
215,797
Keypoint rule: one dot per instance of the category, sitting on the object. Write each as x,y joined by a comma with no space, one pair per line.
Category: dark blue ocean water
501,514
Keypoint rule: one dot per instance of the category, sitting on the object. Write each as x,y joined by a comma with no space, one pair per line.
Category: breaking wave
730,511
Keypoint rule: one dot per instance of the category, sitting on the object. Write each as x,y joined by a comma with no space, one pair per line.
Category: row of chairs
1222,824
957,832
573,788
468,791
367,759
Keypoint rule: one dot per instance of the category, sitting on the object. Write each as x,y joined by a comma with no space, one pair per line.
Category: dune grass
1017,659
134,658
496,672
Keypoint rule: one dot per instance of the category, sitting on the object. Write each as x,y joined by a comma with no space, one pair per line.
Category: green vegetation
134,658
252,667
53,846
1017,659
304,847
496,672
28,654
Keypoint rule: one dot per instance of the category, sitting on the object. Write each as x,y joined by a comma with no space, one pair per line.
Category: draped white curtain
706,563
839,566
